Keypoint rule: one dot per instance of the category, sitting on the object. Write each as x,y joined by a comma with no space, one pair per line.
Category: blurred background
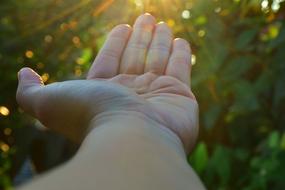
238,78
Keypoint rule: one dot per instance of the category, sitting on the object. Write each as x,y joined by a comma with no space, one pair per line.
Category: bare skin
119,79
140,71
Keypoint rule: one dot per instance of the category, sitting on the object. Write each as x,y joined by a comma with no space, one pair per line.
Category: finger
158,54
29,84
179,65
135,53
107,62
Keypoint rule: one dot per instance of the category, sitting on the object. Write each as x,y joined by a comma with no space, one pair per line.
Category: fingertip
162,27
181,44
123,27
149,15
145,21
27,75
121,30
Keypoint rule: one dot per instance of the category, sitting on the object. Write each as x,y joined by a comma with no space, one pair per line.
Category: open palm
141,70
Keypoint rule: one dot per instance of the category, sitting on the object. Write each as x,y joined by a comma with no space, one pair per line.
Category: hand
140,70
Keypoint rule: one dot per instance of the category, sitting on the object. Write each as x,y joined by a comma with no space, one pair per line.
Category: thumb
28,87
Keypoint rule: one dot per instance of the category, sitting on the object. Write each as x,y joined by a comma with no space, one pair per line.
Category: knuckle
160,46
138,45
109,53
140,39
180,60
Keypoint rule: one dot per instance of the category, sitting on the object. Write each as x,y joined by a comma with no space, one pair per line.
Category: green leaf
86,55
280,39
100,41
199,158
220,162
282,141
201,20
273,140
245,97
245,38
236,67
211,116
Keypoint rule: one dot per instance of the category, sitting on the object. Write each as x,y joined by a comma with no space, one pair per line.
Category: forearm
126,151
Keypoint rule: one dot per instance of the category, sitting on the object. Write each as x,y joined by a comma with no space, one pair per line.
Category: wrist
132,151
131,124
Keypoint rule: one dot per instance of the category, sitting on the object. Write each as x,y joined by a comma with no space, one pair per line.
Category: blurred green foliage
238,75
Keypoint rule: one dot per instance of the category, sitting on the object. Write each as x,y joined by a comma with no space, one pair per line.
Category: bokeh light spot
138,3
45,77
201,33
29,54
4,147
264,4
275,6
78,72
218,9
76,40
170,22
193,59
63,26
79,61
186,14
7,131
4,111
48,39
40,65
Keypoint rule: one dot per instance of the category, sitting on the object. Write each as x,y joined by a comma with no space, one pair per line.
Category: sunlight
162,7
102,7
63,14
138,3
